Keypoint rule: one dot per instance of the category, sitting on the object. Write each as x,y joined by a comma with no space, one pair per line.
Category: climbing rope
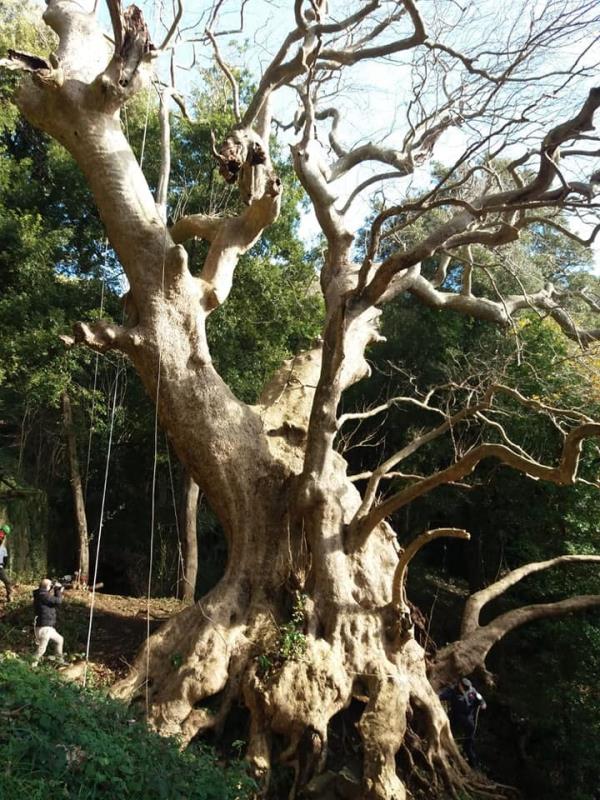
93,411
153,500
152,515
180,564
120,368
100,526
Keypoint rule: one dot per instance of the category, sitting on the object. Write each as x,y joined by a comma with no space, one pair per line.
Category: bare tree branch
478,600
229,75
202,226
470,651
384,407
173,28
46,71
230,237
410,551
352,56
453,233
563,474
466,655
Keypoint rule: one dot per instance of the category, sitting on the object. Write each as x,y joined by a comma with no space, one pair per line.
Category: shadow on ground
119,626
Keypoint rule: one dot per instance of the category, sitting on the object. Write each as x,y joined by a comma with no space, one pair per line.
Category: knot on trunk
397,623
234,152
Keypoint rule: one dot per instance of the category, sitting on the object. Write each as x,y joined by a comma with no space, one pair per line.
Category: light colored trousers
45,635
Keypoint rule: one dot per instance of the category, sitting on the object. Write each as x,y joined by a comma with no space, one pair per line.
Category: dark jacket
463,705
44,606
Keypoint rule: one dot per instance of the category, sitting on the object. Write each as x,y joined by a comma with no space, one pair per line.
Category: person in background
4,530
465,703
46,599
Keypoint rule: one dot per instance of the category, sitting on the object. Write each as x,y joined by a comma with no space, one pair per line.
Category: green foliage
265,664
271,313
176,660
49,238
28,514
290,641
61,741
555,703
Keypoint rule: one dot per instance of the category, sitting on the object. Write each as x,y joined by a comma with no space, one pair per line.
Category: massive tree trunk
311,613
83,546
288,550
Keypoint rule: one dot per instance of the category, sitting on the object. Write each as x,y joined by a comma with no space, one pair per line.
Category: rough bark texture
310,614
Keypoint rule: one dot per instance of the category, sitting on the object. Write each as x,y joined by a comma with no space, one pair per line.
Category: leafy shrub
289,643
58,740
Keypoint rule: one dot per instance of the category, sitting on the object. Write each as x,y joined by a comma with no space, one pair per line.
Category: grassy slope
59,740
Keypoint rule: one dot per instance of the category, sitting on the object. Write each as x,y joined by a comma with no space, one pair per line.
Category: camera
66,582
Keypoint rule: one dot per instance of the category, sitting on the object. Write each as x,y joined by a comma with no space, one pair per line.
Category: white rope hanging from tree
100,525
106,471
95,384
180,562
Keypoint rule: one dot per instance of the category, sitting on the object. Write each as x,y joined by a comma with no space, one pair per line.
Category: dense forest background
541,728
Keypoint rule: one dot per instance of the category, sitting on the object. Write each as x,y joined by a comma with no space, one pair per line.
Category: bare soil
119,626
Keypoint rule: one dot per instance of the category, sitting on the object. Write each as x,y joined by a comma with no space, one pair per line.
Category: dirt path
119,626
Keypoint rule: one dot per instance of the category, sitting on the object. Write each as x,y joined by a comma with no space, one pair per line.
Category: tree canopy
481,416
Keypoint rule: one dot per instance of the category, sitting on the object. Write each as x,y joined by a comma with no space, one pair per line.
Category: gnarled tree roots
228,650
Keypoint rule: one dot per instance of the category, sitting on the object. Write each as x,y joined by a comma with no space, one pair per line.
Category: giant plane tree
313,558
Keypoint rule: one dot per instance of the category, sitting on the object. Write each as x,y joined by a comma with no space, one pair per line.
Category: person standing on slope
46,599
4,530
465,703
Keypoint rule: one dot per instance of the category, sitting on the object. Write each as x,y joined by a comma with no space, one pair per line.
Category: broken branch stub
44,71
25,61
133,47
137,42
243,158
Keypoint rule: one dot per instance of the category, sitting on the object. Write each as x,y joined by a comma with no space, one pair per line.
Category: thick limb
470,651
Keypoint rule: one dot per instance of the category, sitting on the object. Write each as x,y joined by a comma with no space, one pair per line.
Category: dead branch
47,72
173,28
563,474
453,233
132,42
102,336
